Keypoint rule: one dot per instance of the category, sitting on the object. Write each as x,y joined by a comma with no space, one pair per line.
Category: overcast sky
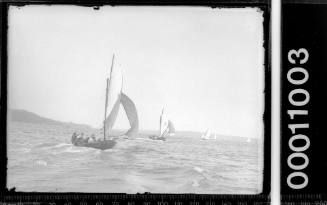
205,66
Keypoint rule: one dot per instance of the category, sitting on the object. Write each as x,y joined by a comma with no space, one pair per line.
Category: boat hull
154,137
98,144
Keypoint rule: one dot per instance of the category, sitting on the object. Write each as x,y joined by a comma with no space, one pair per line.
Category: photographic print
134,99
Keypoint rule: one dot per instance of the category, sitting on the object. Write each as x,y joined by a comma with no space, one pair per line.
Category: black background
305,26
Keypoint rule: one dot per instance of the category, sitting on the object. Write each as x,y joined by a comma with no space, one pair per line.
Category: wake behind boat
166,128
114,98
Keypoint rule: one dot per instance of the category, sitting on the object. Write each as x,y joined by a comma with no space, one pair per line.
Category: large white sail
115,84
163,123
131,113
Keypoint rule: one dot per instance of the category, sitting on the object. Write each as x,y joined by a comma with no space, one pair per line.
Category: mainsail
115,97
163,122
113,93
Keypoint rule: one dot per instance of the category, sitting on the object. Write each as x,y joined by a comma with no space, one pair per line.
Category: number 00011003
298,97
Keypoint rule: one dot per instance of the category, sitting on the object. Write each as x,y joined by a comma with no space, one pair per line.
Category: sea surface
41,158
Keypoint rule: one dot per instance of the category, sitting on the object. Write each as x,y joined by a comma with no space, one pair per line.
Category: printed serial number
298,98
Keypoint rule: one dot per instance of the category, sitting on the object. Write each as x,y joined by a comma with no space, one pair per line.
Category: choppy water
42,158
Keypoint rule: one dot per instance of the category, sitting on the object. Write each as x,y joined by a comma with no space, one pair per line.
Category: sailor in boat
91,139
79,137
166,128
114,98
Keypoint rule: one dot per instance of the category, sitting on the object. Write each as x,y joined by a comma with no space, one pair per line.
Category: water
42,158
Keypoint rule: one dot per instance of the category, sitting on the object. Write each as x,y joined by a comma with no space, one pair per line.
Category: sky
204,66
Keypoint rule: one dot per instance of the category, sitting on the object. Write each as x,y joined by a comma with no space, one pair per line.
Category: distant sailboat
166,128
208,136
171,128
114,97
248,140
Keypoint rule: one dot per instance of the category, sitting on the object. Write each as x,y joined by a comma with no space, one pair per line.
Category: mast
106,104
160,122
105,111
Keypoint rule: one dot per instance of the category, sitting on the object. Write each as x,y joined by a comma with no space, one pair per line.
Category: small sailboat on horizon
114,98
166,129
207,135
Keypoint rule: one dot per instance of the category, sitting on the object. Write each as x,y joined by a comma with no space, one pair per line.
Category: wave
72,149
201,176
137,184
26,150
62,145
195,183
59,148
147,139
45,144
198,169
41,163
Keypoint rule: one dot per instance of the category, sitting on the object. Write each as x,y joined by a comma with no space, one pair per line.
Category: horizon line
117,129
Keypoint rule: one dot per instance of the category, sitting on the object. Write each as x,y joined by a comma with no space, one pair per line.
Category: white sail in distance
206,135
163,122
166,126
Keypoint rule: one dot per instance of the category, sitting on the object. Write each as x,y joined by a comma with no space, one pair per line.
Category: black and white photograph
135,99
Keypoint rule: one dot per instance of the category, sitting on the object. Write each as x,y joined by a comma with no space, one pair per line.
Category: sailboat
114,98
208,136
166,128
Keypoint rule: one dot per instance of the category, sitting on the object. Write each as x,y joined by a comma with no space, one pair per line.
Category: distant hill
29,117
25,116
